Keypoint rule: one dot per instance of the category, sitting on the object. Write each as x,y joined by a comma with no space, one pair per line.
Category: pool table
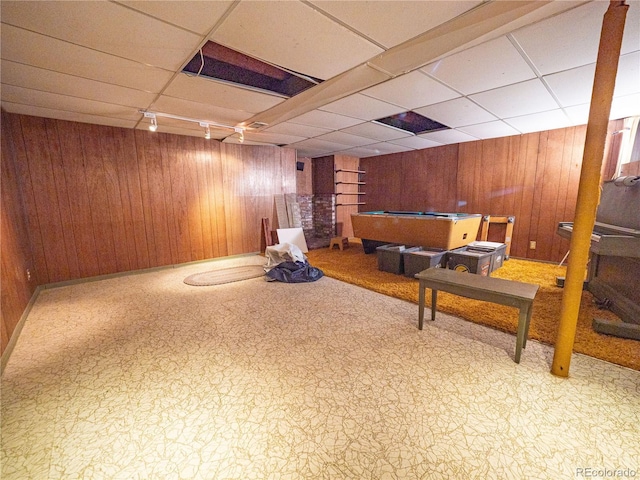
426,229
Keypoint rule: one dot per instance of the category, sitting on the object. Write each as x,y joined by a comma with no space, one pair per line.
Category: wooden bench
504,292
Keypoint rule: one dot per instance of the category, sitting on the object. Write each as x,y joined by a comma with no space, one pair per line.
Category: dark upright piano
614,267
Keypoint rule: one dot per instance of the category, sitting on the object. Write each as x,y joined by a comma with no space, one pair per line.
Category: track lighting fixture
153,126
241,132
152,116
207,130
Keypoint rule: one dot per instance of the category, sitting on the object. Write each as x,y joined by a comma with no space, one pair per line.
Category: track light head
241,132
207,130
153,126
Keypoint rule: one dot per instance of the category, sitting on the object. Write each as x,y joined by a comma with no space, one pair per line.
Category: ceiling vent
412,122
256,125
217,62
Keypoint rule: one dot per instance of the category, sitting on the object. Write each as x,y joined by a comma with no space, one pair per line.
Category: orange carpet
353,266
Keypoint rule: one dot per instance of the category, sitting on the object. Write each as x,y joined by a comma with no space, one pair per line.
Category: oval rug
225,275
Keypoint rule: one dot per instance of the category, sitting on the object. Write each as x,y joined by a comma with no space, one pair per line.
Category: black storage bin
422,259
390,257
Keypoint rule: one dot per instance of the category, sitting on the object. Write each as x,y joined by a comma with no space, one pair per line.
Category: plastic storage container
390,258
422,259
467,259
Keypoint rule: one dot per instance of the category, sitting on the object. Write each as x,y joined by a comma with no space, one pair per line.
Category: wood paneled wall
101,200
15,254
533,177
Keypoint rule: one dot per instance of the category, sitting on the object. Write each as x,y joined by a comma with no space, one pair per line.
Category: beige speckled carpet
353,266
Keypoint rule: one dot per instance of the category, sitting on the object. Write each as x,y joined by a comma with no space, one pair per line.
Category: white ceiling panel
411,91
392,22
321,119
530,97
346,139
628,106
106,27
531,123
578,114
448,136
457,113
55,101
198,111
377,131
490,65
375,150
295,36
38,50
415,142
34,111
490,130
196,16
571,39
306,131
574,87
272,138
320,145
362,107
34,78
202,90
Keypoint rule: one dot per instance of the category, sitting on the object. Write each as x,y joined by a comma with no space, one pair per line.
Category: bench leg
434,300
421,289
523,330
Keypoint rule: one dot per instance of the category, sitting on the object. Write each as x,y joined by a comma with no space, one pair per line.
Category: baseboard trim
16,331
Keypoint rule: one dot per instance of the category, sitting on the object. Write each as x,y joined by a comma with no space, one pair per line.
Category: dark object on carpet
294,272
225,275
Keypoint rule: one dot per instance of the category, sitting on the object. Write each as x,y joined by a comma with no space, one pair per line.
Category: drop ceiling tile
374,150
517,99
106,27
411,91
458,112
346,139
295,36
392,22
415,142
490,130
202,90
574,87
321,119
362,107
578,114
55,101
627,106
571,39
66,115
48,53
34,78
538,122
628,77
377,131
321,145
311,152
289,128
196,16
493,64
273,138
198,111
448,136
